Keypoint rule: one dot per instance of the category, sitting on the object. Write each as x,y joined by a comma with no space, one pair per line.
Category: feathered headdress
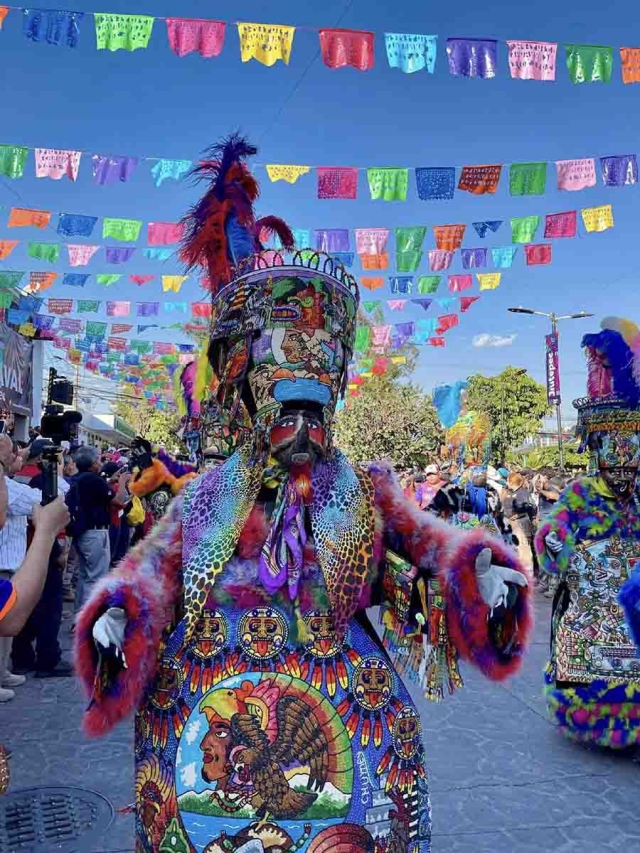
613,357
221,231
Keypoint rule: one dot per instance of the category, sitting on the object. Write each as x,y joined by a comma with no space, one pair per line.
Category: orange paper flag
630,57
375,262
6,247
449,237
372,283
21,216
39,281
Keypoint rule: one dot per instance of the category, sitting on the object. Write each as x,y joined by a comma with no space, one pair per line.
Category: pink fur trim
254,534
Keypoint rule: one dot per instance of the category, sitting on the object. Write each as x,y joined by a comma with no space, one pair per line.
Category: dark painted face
298,438
618,456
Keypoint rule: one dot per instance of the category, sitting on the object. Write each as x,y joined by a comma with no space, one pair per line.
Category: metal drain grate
43,820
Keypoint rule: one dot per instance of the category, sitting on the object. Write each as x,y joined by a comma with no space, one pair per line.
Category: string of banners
340,48
432,183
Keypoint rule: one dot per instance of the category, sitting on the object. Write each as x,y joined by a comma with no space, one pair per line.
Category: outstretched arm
146,586
555,540
487,602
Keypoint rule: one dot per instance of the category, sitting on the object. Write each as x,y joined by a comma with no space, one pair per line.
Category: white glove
108,633
553,543
493,580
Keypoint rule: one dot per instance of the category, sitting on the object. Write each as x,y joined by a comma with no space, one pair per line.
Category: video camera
56,425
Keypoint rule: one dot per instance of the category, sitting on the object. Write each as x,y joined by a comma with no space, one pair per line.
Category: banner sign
553,371
16,357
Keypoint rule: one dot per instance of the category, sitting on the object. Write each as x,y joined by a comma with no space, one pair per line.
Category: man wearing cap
44,623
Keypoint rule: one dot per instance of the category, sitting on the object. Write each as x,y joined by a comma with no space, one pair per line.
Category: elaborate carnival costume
269,715
591,542
158,478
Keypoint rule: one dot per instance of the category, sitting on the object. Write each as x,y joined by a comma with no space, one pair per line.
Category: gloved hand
108,633
553,543
493,580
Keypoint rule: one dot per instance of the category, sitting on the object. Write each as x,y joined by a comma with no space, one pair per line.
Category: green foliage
389,420
158,427
515,404
549,457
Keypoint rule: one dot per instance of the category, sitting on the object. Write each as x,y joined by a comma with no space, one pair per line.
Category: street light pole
553,317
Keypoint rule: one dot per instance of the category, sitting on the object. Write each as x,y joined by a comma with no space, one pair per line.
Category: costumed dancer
590,542
269,715
152,479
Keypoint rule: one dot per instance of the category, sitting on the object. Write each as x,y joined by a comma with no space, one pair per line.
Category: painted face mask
298,438
617,456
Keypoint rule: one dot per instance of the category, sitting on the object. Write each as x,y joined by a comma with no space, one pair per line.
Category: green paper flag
122,32
6,299
141,347
95,329
10,278
367,362
523,230
388,184
88,306
588,63
113,357
107,279
428,283
408,239
44,252
408,261
528,178
126,230
363,338
371,305
12,160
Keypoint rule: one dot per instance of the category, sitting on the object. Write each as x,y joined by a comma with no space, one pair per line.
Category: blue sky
153,103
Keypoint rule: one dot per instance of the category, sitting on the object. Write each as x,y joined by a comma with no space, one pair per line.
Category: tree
158,427
389,420
515,404
549,457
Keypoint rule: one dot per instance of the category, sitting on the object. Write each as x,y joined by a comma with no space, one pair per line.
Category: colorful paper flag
388,184
125,230
630,58
423,303
408,239
472,57
523,228
180,307
589,63
201,309
39,281
141,279
164,170
466,302
187,35
6,247
435,183
446,322
75,279
537,255
483,227
597,218
4,11
59,306
527,178
76,225
503,256
479,180
107,279
341,48
118,309
440,259
55,26
619,171
449,237
576,174
337,182
10,278
71,325
173,283
436,342
408,261
95,330
396,304
56,163
332,239
122,32
411,52
81,254
12,160
370,305
266,43
371,241
488,280
15,317
88,306
372,283
20,217
401,283
560,224
147,309
363,339
381,336
44,252
109,170
157,254
428,283
472,258
116,344
164,233
379,261
119,254
458,283
532,60
289,174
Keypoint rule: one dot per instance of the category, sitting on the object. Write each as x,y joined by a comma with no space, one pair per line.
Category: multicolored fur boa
149,585
155,477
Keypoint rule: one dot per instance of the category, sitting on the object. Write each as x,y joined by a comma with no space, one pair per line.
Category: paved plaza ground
502,780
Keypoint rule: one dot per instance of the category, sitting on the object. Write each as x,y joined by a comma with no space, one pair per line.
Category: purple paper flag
619,171
483,227
108,170
147,309
423,303
119,254
332,239
472,57
406,329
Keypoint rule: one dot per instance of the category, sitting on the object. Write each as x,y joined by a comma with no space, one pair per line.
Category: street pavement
502,780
